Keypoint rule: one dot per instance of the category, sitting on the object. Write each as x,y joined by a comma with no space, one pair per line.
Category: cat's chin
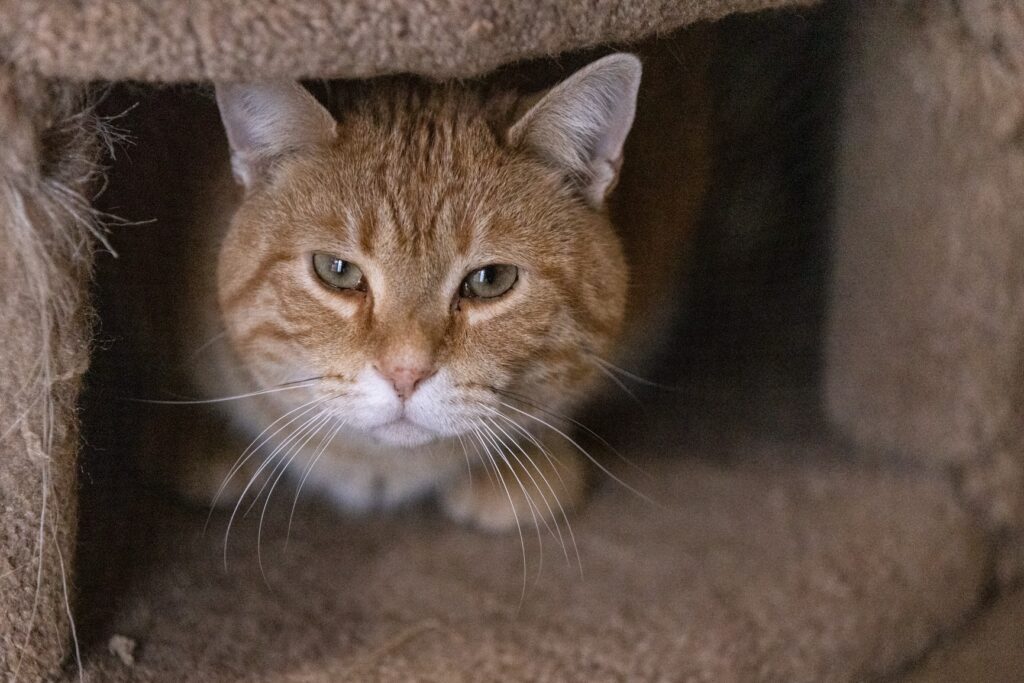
403,433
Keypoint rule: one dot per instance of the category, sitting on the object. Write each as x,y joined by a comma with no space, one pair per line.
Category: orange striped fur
418,185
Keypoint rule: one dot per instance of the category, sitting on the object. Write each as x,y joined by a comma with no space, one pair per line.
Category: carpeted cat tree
822,556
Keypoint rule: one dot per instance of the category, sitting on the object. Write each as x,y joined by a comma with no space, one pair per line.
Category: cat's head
436,254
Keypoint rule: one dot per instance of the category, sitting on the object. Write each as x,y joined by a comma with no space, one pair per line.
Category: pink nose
405,378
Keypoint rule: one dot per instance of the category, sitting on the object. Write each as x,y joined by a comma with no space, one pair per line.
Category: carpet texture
772,559
47,154
925,352
169,40
988,649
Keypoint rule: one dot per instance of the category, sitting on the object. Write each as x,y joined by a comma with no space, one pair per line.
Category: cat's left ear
581,124
266,121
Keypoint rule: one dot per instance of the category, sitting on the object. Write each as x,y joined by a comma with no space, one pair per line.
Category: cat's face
431,268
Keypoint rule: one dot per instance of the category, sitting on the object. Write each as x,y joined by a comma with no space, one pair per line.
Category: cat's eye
489,282
338,273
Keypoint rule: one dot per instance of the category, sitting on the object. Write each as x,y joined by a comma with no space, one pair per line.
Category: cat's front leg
529,486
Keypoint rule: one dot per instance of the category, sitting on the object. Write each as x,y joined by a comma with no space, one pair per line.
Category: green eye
489,282
338,273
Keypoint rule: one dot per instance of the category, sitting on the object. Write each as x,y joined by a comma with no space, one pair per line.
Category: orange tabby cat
431,281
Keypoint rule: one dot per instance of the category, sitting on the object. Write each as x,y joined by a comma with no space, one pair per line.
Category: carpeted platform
772,558
989,648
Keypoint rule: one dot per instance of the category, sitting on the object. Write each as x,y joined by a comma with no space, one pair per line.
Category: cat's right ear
266,121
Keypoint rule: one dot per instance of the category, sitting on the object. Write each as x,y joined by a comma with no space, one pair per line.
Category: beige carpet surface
233,39
770,560
990,648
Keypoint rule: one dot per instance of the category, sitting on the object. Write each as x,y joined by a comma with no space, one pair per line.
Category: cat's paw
519,497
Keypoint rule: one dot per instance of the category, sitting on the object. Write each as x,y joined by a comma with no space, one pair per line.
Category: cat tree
812,566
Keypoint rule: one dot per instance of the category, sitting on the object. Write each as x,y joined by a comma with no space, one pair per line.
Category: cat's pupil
490,281
487,275
337,272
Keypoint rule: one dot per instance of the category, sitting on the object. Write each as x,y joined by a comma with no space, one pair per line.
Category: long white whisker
469,465
255,476
555,464
507,452
515,514
586,454
290,442
550,458
535,511
312,406
221,399
488,463
557,531
636,378
252,448
558,416
321,449
293,451
504,452
554,495
293,437
618,382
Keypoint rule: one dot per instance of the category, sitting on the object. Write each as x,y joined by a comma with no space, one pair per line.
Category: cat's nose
404,377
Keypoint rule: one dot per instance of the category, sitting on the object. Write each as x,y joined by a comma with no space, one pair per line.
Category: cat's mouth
403,432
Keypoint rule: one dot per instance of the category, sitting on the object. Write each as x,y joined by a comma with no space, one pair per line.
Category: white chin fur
375,411
404,434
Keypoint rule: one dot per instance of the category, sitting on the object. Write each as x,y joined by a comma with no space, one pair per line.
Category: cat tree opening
742,328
